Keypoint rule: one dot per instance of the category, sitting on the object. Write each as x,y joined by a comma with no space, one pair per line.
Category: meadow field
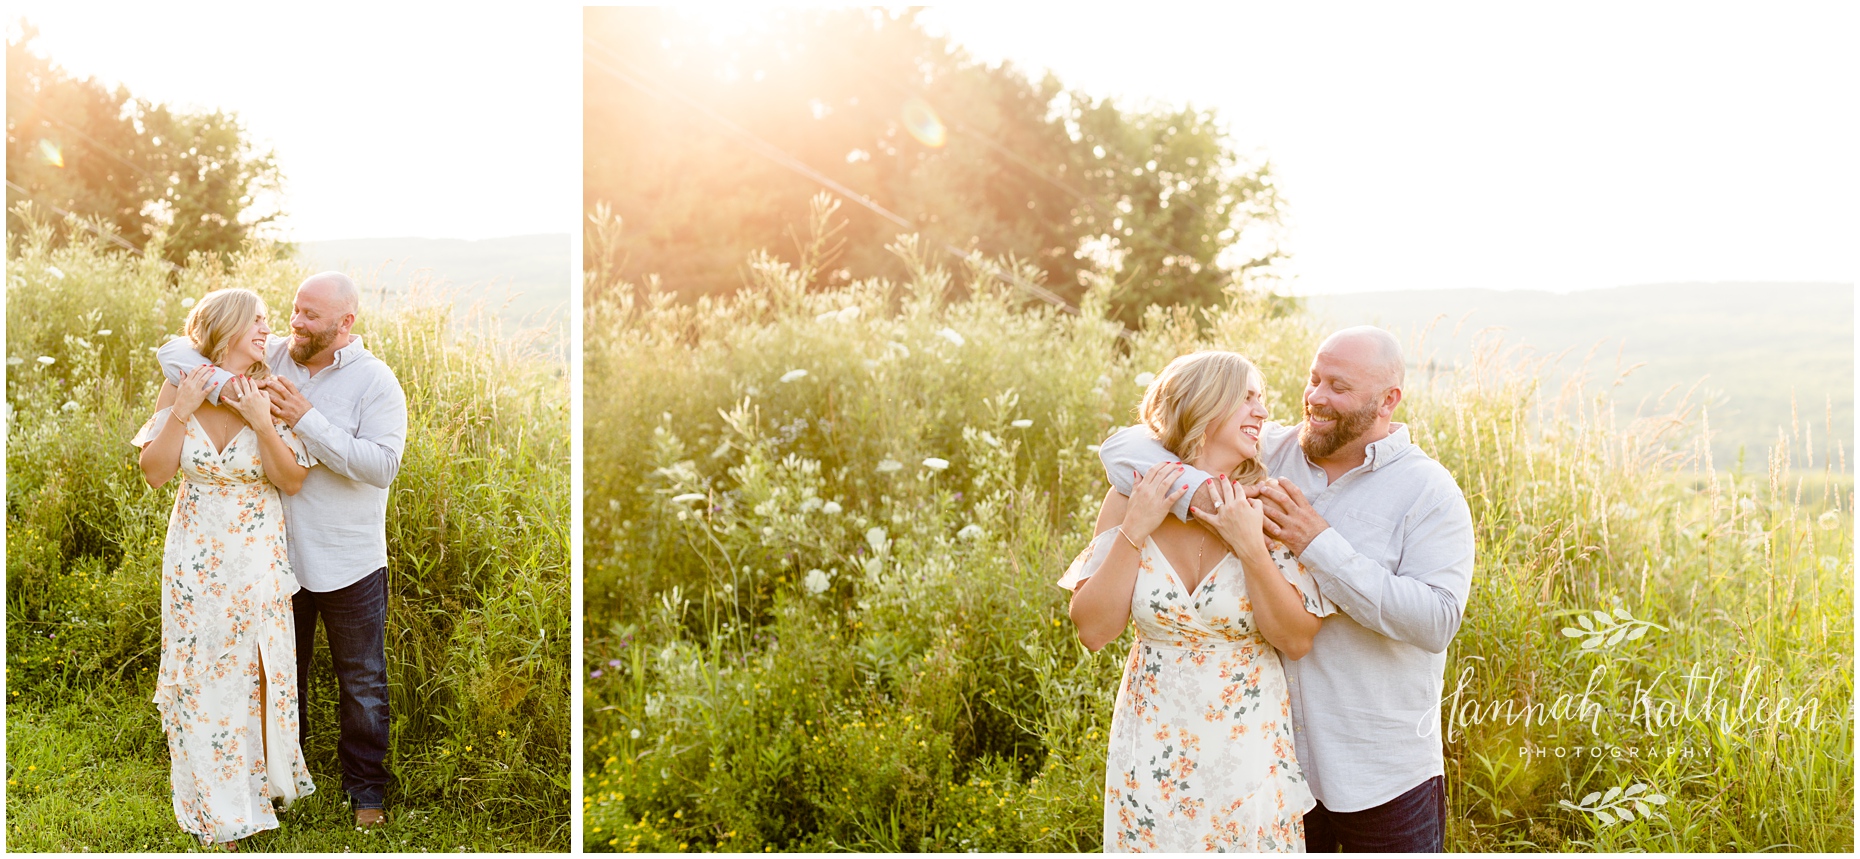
823,525
478,542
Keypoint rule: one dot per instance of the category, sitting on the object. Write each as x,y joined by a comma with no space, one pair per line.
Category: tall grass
805,634
478,613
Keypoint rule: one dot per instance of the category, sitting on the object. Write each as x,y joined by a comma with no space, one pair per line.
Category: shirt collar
351,352
1388,448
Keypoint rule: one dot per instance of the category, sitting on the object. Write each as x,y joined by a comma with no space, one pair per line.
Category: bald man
348,409
1387,534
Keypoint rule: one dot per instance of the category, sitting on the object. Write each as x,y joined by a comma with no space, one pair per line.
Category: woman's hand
1239,520
1151,499
252,403
192,392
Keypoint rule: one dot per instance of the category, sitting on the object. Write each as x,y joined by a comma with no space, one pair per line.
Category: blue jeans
1415,822
355,621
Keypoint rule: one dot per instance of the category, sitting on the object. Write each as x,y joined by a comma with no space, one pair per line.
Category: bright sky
1550,146
388,120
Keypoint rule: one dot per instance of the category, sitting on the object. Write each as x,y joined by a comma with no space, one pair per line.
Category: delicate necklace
1200,547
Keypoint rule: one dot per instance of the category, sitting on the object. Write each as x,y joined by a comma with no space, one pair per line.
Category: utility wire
631,75
112,237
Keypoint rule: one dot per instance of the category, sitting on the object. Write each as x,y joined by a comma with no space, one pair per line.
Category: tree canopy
708,147
144,172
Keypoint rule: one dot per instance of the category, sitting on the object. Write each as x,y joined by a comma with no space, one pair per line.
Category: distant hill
1754,345
522,280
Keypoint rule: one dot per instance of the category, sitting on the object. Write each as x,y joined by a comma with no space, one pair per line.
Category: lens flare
922,122
51,153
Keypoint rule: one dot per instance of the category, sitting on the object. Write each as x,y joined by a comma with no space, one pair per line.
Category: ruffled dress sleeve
295,444
1089,561
153,428
1301,578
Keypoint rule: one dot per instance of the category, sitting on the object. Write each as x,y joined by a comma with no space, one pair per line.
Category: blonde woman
1200,755
227,691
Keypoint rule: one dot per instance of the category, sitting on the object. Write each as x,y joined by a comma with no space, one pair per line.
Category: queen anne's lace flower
817,581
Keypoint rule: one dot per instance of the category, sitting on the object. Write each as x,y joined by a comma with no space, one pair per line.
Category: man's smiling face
318,317
1342,398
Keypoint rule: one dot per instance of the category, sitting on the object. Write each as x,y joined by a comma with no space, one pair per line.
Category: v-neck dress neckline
195,420
1150,543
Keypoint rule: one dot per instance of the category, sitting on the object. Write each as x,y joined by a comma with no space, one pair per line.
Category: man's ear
1390,399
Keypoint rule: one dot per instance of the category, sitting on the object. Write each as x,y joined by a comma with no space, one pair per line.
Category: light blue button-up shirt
1397,559
336,526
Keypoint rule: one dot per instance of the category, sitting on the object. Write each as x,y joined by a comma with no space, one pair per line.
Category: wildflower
688,498
105,332
55,272
969,532
47,360
817,581
187,302
1828,521
69,406
831,508
684,515
935,463
1144,379
952,336
793,375
886,466
635,733
810,504
14,360
595,673
876,539
848,314
1023,423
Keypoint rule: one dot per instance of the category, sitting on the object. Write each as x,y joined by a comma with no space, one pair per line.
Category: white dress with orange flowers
226,587
1201,741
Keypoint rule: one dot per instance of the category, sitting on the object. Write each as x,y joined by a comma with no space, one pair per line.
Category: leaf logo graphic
1601,630
1618,805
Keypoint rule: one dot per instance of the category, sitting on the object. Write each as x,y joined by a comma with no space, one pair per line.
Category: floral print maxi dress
1201,739
226,587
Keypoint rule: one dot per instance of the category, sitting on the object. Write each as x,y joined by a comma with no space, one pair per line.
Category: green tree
708,147
132,168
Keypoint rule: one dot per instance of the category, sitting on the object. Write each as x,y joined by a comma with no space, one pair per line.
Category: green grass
479,597
933,697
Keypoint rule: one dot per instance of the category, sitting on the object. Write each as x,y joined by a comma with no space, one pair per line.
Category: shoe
369,818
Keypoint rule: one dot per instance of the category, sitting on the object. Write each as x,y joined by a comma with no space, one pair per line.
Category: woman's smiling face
249,347
1239,432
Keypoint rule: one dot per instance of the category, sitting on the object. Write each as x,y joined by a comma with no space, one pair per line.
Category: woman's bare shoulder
1111,512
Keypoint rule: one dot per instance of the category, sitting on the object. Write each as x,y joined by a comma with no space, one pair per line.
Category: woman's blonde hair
221,316
1194,391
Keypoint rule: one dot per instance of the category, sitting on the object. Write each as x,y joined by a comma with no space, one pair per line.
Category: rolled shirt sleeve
178,357
1420,601
1133,449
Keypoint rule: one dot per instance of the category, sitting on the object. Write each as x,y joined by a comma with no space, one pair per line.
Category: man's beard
316,342
1346,427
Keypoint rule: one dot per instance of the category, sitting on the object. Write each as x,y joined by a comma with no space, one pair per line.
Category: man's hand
287,404
1290,519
